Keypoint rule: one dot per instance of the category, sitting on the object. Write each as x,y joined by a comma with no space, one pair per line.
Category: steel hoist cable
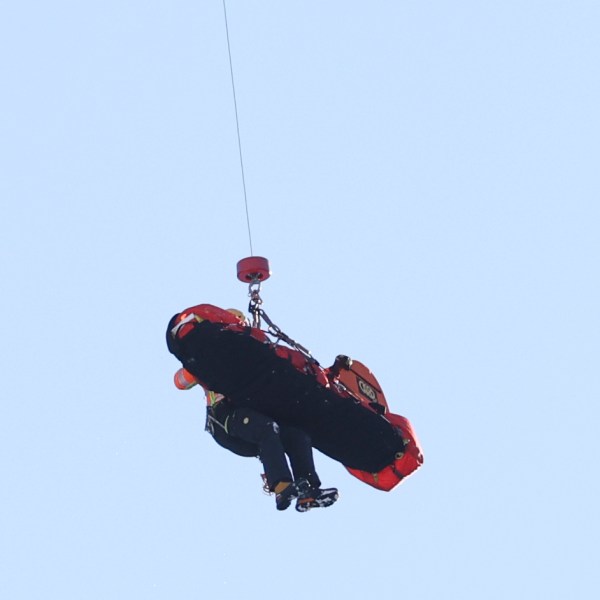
237,123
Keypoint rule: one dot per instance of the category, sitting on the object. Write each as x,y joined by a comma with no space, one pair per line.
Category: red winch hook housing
253,270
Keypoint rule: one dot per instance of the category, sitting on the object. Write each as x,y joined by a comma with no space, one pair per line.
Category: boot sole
306,504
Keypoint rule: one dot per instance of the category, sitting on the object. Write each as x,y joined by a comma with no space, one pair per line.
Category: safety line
237,122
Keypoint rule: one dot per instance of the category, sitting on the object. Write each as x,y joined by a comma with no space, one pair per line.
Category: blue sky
423,177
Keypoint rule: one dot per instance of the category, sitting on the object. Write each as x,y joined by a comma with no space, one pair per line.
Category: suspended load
342,408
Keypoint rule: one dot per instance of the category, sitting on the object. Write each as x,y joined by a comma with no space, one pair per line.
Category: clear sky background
424,179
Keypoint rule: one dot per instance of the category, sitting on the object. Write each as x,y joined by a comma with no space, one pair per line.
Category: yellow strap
213,398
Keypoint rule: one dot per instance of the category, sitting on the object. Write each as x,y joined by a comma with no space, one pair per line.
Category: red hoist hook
253,271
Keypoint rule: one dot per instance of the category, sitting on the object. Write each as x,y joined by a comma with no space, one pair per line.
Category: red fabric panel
402,467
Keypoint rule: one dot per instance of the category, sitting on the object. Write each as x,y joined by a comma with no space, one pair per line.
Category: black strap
275,331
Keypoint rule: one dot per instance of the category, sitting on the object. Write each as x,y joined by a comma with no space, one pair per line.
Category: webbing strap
187,319
280,335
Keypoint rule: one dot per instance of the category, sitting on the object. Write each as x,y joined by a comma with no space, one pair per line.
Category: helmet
239,314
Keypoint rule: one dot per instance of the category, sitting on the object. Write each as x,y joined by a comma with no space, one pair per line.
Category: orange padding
206,312
184,380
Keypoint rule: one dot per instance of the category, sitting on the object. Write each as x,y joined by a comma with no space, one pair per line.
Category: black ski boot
288,492
317,498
